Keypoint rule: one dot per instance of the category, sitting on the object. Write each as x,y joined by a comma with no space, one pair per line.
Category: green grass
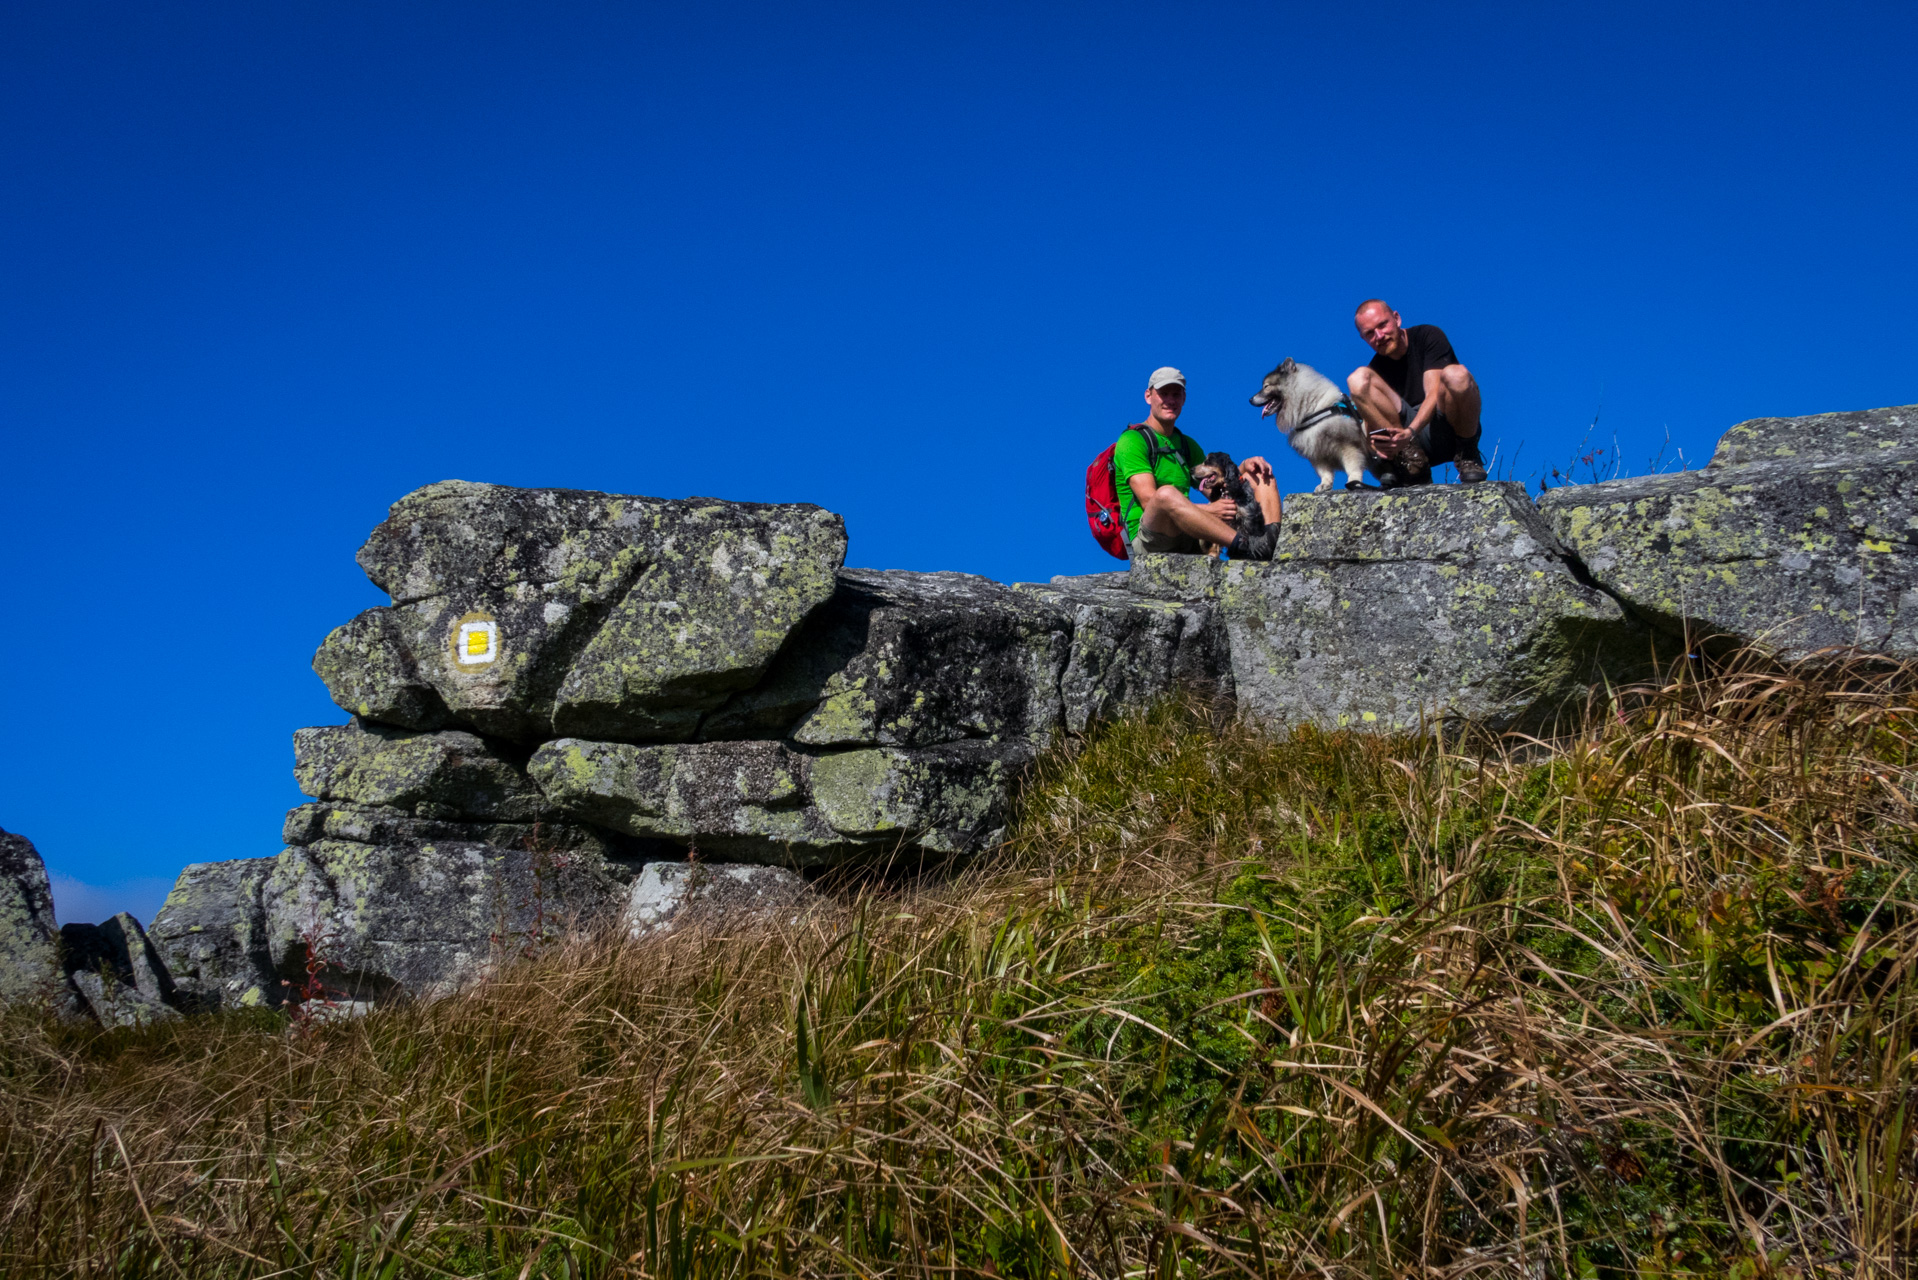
1640,1004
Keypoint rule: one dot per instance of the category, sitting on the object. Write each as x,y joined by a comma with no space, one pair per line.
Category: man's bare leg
1377,403
1459,400
1171,512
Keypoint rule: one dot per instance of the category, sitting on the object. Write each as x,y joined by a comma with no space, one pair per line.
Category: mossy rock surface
29,955
1128,651
450,774
424,919
770,802
526,613
1391,610
1789,556
1860,433
212,936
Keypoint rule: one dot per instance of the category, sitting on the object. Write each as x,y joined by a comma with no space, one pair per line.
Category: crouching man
1153,463
1415,390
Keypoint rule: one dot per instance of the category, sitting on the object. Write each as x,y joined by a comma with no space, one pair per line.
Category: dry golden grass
1640,1003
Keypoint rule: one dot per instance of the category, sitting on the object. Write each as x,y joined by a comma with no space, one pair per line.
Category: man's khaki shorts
1179,543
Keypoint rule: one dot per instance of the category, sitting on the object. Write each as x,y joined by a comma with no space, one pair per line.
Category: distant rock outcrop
118,973
29,939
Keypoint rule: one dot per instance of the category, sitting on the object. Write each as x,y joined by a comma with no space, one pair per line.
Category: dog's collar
1343,409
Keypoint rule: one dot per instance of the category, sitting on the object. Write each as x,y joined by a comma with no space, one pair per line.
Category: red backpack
1102,488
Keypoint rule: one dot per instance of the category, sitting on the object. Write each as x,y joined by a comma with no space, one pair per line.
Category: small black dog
1219,476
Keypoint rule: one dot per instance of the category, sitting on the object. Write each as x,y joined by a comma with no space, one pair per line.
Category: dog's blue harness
1343,409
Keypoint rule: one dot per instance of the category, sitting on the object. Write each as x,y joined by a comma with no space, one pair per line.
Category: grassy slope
1322,1004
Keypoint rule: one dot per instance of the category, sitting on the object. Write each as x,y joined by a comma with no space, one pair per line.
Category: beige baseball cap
1165,377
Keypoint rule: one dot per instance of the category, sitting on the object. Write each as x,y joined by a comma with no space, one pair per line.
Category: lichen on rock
522,613
1860,434
29,952
1392,610
770,802
671,895
448,774
426,919
1789,556
211,935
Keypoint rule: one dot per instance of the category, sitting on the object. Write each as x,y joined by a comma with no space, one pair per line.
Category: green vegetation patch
1636,1003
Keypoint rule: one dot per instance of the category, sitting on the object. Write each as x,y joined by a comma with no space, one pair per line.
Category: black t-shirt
1428,349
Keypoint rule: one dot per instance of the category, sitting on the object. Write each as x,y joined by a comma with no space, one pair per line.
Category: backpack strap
1154,450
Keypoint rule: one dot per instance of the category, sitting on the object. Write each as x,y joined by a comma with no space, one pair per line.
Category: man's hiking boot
1471,467
1394,475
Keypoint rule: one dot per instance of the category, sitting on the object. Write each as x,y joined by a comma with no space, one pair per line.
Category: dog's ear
1288,364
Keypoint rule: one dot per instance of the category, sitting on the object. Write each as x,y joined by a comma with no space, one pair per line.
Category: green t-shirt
1129,459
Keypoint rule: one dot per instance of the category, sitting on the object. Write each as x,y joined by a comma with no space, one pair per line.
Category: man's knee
1166,497
1362,380
1456,378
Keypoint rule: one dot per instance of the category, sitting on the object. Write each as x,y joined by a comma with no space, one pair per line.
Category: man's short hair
1370,302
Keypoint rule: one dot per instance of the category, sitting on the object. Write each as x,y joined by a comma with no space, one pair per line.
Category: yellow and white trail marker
476,640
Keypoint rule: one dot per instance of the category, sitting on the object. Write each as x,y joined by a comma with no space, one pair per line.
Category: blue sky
265,268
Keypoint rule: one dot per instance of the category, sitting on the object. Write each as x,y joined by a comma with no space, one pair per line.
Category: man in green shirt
1154,477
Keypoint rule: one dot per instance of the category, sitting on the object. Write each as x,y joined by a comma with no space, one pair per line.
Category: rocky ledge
582,708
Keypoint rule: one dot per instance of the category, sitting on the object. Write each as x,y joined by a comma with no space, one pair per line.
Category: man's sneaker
1470,470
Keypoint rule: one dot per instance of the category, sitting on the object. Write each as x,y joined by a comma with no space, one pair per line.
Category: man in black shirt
1416,388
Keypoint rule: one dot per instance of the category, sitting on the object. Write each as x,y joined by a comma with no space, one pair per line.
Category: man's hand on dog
1256,470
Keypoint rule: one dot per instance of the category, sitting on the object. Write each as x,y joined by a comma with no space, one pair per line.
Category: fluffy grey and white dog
1323,428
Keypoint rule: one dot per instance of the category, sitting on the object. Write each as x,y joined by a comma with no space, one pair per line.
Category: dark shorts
1436,436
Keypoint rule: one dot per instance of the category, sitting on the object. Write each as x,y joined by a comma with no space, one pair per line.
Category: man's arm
1428,407
1144,487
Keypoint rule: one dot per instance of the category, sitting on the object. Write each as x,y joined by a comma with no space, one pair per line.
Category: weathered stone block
423,919
1130,651
117,972
1860,434
914,659
29,954
449,774
116,1004
1791,556
378,824
770,803
668,895
212,936
527,612
1177,577
950,798
1386,610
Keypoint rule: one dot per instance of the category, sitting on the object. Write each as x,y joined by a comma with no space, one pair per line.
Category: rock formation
1388,609
569,688
29,946
570,692
109,971
1797,537
117,972
667,895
